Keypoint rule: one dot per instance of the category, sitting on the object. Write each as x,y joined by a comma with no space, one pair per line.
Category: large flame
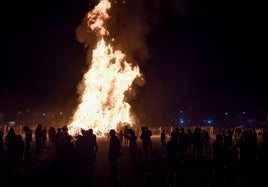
103,104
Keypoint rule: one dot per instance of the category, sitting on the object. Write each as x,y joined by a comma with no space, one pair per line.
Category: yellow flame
103,106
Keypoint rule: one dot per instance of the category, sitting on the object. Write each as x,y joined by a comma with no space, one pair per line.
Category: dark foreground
43,171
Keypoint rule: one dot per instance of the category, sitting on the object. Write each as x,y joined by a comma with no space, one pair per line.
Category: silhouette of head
112,132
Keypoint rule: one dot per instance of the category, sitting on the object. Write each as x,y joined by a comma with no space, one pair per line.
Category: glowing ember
103,104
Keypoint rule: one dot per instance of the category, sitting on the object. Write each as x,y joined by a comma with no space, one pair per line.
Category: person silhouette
114,154
172,151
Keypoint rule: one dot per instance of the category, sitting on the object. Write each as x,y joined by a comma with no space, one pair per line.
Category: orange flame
103,106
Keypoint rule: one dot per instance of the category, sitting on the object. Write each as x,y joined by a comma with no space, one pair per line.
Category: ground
153,173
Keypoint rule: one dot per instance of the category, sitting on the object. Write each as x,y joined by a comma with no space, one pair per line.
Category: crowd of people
236,159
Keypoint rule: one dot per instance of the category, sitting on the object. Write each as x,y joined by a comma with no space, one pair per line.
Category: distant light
44,114
208,122
61,113
181,121
243,112
226,113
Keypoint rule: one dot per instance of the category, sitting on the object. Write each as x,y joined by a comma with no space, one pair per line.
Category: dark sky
204,54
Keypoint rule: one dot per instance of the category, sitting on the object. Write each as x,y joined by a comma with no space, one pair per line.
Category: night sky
203,55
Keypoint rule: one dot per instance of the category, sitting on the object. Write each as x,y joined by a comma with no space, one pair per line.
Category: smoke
179,7
128,29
